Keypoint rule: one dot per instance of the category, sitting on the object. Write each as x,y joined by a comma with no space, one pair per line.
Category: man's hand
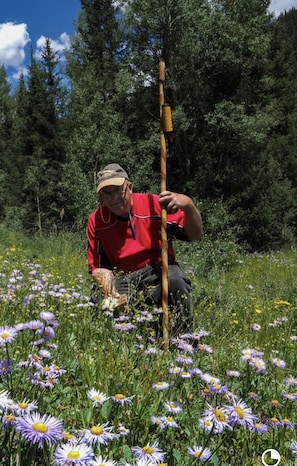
173,202
105,280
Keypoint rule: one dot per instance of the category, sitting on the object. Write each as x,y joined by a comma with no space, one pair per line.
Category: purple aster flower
5,401
207,348
278,362
291,381
173,407
289,396
47,316
99,434
98,398
184,359
38,429
219,418
124,326
25,406
5,366
122,430
240,414
158,421
34,324
122,399
161,386
149,453
293,448
201,453
168,421
9,421
73,454
288,424
7,335
259,428
231,373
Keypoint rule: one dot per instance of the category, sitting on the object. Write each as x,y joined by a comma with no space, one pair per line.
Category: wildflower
184,359
173,407
99,434
203,454
122,430
240,414
219,418
124,326
44,353
206,425
287,423
275,404
74,454
289,396
293,448
231,373
196,371
274,422
5,366
259,428
7,335
258,363
291,381
278,362
205,392
206,348
100,461
161,386
122,399
9,421
5,401
210,378
98,398
47,316
185,375
218,388
253,395
25,407
151,350
38,429
169,421
255,327
158,421
149,453
175,370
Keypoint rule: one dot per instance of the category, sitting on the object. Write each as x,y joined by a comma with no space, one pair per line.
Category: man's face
118,198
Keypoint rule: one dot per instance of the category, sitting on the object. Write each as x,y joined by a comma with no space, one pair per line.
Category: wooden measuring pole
164,212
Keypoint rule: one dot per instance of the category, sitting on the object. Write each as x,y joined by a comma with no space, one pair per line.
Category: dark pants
148,282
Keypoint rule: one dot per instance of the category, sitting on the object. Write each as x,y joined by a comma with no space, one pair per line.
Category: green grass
243,302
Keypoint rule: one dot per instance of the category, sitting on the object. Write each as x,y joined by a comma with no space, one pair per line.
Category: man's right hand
105,280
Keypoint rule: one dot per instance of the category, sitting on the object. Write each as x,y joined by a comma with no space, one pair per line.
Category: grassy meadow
83,386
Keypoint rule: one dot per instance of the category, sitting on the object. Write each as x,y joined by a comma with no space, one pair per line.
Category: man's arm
172,202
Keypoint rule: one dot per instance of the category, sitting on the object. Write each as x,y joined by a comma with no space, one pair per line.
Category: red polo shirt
116,242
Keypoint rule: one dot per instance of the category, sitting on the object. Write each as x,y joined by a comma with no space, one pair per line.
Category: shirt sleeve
93,245
175,226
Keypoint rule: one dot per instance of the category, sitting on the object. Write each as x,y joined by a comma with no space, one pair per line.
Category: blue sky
27,22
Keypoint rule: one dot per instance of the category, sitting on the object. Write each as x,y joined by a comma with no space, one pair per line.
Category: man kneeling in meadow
125,246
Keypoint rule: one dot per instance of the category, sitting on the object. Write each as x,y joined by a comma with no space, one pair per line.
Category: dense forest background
231,81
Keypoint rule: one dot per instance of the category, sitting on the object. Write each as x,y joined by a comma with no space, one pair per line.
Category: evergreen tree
6,155
44,144
98,135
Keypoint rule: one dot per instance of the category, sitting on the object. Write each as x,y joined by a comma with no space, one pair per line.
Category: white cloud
280,6
59,46
13,40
